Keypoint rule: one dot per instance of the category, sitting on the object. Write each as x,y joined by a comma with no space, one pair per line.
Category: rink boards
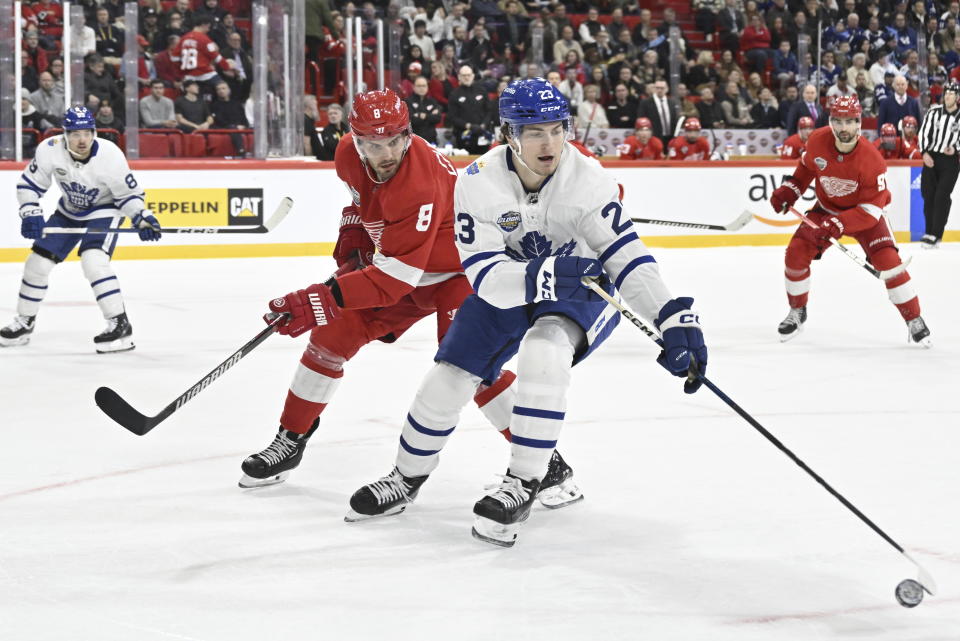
223,193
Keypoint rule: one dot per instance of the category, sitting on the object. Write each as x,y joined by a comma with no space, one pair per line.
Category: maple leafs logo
536,245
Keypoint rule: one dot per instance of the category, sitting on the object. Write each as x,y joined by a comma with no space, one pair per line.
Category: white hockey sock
33,286
103,280
445,390
543,375
497,401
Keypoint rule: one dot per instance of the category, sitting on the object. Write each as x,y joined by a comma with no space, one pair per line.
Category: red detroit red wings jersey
911,148
680,149
633,149
901,151
410,220
855,181
792,147
197,55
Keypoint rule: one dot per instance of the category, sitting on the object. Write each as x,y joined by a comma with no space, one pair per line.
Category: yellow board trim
261,250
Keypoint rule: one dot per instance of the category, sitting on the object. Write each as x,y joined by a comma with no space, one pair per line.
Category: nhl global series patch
509,221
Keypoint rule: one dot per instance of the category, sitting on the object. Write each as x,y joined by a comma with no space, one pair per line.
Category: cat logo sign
208,207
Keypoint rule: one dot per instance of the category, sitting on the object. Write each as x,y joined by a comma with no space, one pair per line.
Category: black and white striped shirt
940,129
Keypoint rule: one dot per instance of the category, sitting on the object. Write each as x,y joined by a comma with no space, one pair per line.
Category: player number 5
423,218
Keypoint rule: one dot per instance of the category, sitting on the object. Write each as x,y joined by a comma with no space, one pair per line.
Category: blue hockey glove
148,225
682,341
558,278
31,223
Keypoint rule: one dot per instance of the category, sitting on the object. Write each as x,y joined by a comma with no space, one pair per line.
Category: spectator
192,112
591,112
598,77
736,110
841,88
469,114
333,132
545,53
868,100
228,114
34,53
420,38
726,65
455,19
778,9
705,17
754,87
31,118
49,16
108,119
590,27
688,109
702,74
110,39
730,23
755,43
565,44
156,110
558,20
789,98
936,73
884,90
150,29
478,48
571,89
766,112
186,15
441,84
623,111
167,69
809,105
917,15
116,10
98,83
242,63
645,24
662,111
897,106
424,111
318,26
906,36
48,101
174,27
56,70
221,32
912,72
785,67
209,8
311,139
828,70
858,65
636,88
881,69
649,70
406,85
711,113
513,30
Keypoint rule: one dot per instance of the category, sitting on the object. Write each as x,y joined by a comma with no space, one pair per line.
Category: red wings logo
838,187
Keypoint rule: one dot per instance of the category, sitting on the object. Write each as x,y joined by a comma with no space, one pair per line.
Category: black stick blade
122,412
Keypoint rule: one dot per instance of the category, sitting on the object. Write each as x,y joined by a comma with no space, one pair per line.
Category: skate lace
281,448
793,316
389,488
510,491
916,324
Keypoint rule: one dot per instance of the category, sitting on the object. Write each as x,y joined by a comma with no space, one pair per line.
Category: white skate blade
924,343
353,517
119,345
14,342
558,496
248,482
786,337
490,531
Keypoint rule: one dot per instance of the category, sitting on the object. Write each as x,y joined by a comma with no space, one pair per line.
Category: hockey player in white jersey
533,218
97,192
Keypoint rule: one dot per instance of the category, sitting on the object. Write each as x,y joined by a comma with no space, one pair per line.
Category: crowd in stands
194,67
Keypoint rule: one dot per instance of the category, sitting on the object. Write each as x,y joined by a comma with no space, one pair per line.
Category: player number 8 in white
376,113
423,218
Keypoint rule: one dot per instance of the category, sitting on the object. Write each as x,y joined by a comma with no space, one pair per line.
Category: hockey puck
909,593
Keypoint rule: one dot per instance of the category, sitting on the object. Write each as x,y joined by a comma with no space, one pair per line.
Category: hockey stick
924,578
885,274
278,215
114,406
738,223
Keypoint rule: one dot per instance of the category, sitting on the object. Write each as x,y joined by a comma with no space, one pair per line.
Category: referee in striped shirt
939,142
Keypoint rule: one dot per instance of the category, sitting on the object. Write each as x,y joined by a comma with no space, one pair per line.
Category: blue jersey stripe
29,188
427,430
476,258
538,413
32,285
36,300
414,450
617,244
105,294
34,186
633,264
127,199
29,205
102,280
532,442
483,273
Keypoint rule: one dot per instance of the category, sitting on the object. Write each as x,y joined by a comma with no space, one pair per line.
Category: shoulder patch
475,167
52,142
821,163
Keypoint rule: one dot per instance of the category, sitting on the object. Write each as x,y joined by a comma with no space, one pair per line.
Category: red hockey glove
786,195
831,227
353,239
308,308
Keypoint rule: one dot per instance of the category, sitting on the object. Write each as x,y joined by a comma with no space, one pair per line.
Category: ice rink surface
694,527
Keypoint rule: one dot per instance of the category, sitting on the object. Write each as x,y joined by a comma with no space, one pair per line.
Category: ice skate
793,323
273,465
390,495
500,513
929,241
557,489
918,333
117,337
18,332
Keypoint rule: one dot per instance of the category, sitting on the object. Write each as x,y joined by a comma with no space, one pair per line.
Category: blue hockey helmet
78,118
531,101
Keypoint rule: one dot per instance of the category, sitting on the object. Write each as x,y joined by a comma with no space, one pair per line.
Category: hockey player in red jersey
910,141
690,146
891,146
852,196
794,145
400,226
198,55
642,145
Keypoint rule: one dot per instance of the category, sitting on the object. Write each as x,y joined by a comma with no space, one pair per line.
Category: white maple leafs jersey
95,188
577,212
